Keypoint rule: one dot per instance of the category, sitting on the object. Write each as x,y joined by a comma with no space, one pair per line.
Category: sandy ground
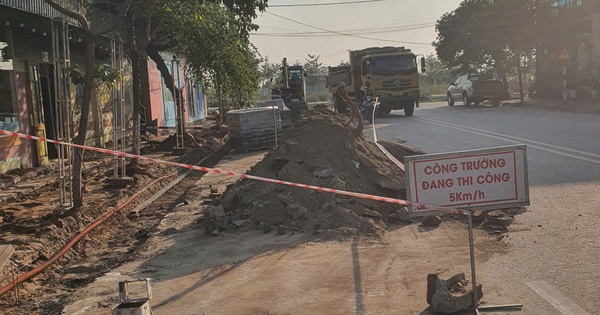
257,273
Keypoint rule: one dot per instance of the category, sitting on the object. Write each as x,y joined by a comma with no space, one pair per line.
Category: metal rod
66,63
499,307
472,253
62,103
115,124
275,123
120,65
14,278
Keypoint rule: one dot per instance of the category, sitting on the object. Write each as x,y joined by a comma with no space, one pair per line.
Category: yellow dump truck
393,73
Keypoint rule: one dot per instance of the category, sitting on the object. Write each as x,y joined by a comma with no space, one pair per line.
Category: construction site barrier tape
240,175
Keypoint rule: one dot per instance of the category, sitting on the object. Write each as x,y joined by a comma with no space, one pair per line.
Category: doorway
46,96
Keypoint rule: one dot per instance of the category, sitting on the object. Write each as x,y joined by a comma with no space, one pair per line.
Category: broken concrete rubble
499,218
431,220
320,151
404,215
451,295
323,173
478,216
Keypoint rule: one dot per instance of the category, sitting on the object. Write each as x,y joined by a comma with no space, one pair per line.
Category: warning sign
481,179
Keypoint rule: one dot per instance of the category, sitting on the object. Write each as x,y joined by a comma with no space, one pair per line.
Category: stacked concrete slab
284,112
254,128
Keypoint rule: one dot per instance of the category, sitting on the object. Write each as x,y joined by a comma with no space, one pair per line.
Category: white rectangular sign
483,179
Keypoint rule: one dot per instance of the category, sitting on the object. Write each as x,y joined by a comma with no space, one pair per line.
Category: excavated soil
37,228
320,151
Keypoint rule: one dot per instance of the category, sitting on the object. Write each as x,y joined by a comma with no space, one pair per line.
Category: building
40,47
161,112
570,40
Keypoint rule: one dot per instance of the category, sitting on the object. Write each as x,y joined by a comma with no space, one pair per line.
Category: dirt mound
320,151
210,136
399,149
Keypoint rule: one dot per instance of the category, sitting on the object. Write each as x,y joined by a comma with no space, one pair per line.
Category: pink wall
157,109
156,93
12,148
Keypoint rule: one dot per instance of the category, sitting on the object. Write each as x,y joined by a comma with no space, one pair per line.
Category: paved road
554,256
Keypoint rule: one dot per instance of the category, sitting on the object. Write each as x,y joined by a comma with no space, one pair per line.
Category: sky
410,22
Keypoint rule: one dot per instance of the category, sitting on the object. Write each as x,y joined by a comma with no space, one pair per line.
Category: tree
215,49
437,72
89,37
486,35
160,25
314,69
143,19
344,63
268,72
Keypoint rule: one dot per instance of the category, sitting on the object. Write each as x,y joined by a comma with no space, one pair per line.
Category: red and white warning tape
228,173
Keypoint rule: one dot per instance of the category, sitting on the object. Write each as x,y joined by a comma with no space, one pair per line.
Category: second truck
393,73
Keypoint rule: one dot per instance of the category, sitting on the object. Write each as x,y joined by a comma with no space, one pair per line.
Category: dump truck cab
393,73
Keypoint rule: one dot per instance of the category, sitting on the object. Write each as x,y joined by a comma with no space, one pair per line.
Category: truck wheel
409,108
495,102
450,100
382,110
466,100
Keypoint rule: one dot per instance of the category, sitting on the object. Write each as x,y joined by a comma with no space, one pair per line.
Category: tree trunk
83,122
220,100
137,103
520,73
138,39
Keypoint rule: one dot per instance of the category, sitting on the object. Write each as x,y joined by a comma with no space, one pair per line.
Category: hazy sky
398,20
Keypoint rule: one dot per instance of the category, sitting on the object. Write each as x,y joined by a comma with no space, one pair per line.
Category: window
393,64
8,114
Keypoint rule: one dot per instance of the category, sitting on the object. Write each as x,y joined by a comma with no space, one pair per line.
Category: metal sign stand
64,118
476,307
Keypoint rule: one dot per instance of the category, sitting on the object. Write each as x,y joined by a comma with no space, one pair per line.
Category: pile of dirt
210,136
320,151
399,149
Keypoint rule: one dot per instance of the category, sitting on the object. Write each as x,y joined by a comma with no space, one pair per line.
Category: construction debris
320,151
255,128
451,295
431,220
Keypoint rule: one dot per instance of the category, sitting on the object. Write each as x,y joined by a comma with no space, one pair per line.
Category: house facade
27,81
39,48
161,112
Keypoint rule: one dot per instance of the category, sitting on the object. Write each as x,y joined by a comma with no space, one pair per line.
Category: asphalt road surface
552,265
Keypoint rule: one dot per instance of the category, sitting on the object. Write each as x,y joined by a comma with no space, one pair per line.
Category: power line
374,29
321,4
346,34
349,32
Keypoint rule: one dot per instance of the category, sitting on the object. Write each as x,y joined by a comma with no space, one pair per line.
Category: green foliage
103,75
269,71
213,38
437,72
484,35
344,63
433,89
314,68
